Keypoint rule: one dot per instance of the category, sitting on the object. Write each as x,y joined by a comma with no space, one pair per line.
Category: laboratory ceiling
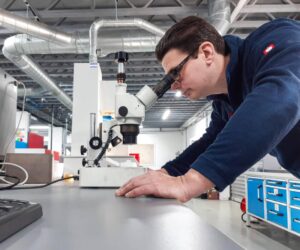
142,68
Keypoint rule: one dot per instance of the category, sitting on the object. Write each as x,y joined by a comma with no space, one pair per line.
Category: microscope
129,113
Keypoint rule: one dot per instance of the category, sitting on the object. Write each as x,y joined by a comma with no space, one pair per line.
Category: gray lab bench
84,219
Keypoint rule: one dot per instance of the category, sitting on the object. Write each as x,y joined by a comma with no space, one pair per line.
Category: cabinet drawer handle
296,199
258,193
296,220
279,195
276,213
275,182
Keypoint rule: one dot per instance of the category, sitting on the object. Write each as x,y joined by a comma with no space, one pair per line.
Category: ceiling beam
271,8
52,4
247,24
7,4
241,4
127,12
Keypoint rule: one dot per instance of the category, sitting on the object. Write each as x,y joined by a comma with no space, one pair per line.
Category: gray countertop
83,219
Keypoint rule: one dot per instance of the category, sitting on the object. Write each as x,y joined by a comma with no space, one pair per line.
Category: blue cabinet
295,198
277,213
276,194
295,220
295,185
255,199
274,199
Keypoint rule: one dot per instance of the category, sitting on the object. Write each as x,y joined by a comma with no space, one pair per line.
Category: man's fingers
147,189
133,183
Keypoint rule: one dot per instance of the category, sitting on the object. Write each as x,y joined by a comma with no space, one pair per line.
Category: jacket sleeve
264,118
181,164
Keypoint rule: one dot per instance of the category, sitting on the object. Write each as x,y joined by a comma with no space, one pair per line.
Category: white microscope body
96,170
129,113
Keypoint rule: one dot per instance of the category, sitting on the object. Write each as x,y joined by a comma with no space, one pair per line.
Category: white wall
195,131
166,145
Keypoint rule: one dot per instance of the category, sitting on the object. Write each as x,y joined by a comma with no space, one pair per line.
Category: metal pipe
219,15
26,64
131,42
135,22
34,28
52,122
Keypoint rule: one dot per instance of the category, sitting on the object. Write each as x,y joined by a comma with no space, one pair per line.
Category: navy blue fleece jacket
260,114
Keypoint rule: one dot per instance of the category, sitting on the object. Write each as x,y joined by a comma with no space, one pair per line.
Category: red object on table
35,140
54,153
136,156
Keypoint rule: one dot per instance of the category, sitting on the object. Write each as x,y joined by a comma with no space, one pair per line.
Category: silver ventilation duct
135,22
129,41
34,28
24,62
219,15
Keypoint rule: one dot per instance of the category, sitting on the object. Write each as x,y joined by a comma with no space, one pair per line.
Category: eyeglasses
175,72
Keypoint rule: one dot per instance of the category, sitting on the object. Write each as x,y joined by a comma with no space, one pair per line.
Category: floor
226,217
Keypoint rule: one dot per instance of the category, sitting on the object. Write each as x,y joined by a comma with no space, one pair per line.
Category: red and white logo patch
268,48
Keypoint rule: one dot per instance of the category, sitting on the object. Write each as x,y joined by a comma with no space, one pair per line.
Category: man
255,88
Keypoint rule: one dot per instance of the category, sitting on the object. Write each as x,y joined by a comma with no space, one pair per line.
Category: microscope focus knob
83,150
123,111
95,142
84,162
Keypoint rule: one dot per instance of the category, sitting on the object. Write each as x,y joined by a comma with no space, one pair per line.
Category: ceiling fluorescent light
166,114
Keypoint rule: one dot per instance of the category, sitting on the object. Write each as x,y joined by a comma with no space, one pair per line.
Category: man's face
193,80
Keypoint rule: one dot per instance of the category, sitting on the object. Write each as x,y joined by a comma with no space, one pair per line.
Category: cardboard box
38,166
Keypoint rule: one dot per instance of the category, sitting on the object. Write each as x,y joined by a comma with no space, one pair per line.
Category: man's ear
207,52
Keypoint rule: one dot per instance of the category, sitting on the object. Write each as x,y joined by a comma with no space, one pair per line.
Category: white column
8,101
58,134
86,100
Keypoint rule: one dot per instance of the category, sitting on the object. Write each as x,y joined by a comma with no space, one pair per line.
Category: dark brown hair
187,35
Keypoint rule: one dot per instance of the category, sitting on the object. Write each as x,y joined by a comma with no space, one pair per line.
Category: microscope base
108,176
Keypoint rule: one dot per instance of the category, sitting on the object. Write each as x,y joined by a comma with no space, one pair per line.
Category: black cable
242,217
11,185
110,134
75,177
96,161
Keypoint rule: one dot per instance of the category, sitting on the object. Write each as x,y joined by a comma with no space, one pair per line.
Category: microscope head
130,109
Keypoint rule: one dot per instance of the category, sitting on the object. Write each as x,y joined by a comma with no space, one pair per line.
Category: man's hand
159,184
164,171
